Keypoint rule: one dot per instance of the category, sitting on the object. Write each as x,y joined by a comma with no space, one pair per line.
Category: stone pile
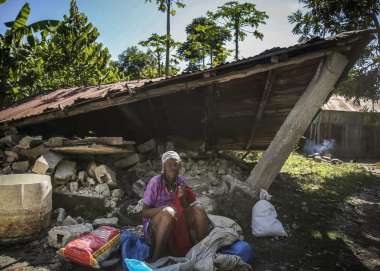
118,171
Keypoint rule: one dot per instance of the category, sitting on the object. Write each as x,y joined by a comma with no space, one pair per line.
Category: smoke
324,148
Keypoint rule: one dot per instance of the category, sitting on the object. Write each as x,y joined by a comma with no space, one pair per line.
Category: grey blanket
204,257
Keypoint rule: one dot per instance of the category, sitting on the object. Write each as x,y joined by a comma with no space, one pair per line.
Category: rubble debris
91,169
59,236
20,167
91,181
81,177
9,140
117,193
11,156
35,152
111,221
73,187
65,172
56,141
148,146
61,215
128,161
68,221
103,190
29,142
104,174
46,162
139,187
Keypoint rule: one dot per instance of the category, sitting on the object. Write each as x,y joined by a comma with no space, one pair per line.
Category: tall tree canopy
156,45
136,64
205,39
325,17
241,19
61,54
167,7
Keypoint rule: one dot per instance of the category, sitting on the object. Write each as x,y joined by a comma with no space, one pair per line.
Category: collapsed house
264,102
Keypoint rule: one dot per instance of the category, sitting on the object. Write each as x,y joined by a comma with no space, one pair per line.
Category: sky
123,23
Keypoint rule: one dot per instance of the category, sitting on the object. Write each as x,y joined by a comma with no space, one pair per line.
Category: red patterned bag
92,248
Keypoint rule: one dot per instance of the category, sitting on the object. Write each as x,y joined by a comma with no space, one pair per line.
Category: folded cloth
180,242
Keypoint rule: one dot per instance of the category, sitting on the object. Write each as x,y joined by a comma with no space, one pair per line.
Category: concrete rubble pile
101,180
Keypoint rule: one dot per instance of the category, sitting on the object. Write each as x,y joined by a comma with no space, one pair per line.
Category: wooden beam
260,109
92,149
159,89
294,126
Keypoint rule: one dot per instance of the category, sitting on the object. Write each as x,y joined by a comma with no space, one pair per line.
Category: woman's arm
151,212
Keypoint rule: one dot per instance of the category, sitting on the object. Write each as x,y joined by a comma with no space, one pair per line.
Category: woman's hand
182,196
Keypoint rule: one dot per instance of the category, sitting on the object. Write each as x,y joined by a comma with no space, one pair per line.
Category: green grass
308,199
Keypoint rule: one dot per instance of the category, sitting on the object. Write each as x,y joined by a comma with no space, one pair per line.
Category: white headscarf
169,155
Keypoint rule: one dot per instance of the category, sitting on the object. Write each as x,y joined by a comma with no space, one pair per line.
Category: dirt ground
337,228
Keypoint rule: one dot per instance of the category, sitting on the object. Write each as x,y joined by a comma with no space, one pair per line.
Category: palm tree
167,6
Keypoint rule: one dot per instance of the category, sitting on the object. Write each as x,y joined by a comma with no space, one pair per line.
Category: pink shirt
156,195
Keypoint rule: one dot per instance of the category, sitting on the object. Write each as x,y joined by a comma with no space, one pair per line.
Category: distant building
354,128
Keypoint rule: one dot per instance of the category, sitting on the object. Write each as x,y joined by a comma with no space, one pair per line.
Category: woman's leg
161,227
197,221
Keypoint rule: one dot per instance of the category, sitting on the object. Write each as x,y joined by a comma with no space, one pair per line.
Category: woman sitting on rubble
172,224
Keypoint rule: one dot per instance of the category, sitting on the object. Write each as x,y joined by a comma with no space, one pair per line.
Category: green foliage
136,64
65,53
324,17
156,46
205,39
238,17
167,6
163,5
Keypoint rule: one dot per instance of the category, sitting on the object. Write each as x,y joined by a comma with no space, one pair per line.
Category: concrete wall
356,134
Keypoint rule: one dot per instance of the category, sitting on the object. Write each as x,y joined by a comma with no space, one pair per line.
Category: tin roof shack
352,129
262,102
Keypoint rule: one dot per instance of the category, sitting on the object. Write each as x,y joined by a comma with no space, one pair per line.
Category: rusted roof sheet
340,103
65,99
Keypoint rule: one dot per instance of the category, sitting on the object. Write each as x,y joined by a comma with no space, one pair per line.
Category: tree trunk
168,2
376,21
296,123
237,40
159,64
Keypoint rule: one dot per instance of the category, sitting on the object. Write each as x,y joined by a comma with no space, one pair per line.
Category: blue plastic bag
135,265
239,248
133,247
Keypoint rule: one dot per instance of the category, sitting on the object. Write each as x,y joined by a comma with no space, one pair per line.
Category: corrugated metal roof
340,103
66,98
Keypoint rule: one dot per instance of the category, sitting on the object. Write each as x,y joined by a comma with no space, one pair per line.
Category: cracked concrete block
91,181
91,169
128,161
81,176
139,187
20,167
46,162
68,221
59,236
148,146
117,193
11,156
65,172
104,174
112,221
103,190
28,141
73,187
56,141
